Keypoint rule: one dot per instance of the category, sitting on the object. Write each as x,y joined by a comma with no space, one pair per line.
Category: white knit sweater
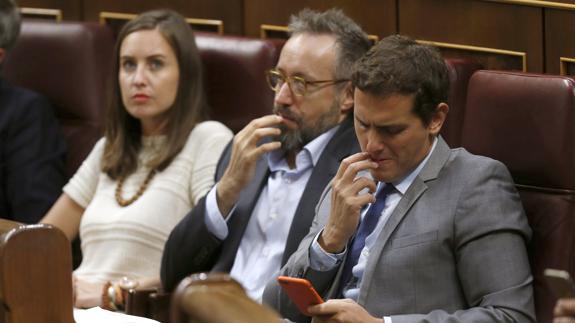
128,241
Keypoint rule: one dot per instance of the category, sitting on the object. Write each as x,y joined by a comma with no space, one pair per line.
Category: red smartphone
301,292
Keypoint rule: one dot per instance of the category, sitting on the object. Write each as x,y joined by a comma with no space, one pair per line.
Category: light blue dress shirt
261,249
322,261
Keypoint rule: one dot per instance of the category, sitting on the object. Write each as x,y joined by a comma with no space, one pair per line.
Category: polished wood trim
523,55
106,15
8,226
48,13
264,29
537,3
217,24
563,64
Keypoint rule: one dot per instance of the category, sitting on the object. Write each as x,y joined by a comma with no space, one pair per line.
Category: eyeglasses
298,85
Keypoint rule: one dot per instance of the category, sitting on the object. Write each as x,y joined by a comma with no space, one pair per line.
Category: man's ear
438,118
346,99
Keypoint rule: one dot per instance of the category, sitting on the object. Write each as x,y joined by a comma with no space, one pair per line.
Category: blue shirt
261,249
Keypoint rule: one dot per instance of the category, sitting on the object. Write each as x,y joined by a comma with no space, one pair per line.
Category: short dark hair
351,40
400,65
9,24
123,132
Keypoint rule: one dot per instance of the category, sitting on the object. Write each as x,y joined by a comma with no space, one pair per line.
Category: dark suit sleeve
32,161
191,247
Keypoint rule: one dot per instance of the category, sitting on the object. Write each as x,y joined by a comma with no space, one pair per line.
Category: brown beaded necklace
139,193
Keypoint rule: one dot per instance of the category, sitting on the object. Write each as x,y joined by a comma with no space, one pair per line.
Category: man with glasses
272,174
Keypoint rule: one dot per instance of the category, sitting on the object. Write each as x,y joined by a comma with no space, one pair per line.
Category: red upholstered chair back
460,71
69,63
234,70
527,122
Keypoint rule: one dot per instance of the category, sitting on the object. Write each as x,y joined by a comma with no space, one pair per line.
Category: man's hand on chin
341,311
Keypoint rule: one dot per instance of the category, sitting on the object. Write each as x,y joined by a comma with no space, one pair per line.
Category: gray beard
293,140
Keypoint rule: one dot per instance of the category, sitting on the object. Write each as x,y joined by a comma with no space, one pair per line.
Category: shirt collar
403,184
306,158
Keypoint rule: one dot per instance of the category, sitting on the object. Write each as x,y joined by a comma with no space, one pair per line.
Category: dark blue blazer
32,153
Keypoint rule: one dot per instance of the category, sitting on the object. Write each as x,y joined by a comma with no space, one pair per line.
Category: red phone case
301,292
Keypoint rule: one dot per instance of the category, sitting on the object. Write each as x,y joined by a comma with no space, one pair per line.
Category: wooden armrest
160,306
150,303
137,301
214,298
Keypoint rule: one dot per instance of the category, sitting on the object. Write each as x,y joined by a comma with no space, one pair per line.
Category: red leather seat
69,63
527,122
460,71
234,69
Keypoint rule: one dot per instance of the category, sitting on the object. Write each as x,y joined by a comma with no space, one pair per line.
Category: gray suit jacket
453,250
192,248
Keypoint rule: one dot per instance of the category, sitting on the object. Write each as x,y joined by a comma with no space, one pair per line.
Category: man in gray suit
411,230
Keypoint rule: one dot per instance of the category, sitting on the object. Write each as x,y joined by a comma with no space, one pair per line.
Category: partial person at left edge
32,149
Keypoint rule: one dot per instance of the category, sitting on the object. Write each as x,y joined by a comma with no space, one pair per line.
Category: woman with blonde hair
157,159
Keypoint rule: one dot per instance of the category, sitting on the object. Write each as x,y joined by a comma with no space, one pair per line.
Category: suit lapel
242,213
429,172
342,144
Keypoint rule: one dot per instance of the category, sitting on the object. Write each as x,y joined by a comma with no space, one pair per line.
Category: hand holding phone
301,292
560,282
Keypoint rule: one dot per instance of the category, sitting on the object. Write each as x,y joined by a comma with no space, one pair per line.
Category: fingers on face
363,190
267,147
256,130
265,121
362,183
359,192
261,133
246,143
348,183
353,164
352,170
